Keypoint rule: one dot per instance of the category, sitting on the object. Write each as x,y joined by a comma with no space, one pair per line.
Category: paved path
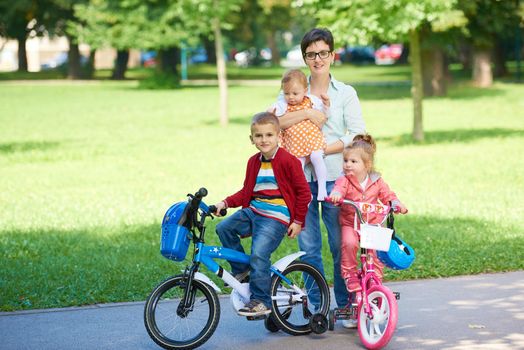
470,312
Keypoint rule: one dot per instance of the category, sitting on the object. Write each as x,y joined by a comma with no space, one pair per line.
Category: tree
158,25
489,21
360,21
16,23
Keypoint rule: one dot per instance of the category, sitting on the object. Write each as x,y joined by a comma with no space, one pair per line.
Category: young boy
274,201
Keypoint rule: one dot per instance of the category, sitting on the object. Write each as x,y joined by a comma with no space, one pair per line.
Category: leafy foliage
147,24
361,21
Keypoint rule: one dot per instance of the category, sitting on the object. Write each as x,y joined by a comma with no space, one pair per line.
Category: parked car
252,57
293,58
148,58
388,54
358,54
198,55
60,60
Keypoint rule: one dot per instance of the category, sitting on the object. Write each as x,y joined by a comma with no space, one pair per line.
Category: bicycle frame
206,255
367,274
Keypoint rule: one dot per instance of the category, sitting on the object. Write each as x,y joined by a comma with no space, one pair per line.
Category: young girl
360,183
304,138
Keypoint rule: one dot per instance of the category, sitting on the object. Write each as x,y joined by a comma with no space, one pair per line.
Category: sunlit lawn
87,172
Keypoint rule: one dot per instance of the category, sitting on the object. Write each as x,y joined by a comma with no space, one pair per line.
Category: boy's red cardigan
290,179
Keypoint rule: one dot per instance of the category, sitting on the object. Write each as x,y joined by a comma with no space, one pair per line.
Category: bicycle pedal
397,295
256,318
343,313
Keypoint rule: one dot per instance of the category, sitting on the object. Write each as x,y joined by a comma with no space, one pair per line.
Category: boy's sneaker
254,308
351,323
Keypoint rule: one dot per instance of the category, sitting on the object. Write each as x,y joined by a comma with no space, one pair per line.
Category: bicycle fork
188,300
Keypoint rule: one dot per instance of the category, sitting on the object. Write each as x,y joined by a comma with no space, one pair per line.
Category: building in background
47,53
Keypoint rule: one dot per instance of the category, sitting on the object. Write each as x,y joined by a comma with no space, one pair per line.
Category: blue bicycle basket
175,237
400,255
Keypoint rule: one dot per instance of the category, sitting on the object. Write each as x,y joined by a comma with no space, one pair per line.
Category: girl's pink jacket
376,190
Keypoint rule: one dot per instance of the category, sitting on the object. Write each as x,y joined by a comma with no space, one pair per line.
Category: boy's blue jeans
266,237
310,240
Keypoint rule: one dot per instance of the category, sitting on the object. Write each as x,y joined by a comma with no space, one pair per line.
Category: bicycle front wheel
376,330
300,293
173,327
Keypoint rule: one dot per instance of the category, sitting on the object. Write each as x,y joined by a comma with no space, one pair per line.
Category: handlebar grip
202,192
213,209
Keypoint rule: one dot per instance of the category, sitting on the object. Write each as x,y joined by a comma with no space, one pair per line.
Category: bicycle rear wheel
290,313
172,327
376,331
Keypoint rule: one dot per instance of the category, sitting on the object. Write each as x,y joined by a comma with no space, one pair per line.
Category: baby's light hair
265,118
294,75
365,144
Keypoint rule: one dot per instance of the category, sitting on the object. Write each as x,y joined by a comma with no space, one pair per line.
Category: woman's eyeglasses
312,55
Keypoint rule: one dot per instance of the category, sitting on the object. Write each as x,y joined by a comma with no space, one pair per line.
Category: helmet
400,255
175,236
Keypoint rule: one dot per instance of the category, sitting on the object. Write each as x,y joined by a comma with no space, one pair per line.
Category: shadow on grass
450,136
382,91
458,246
463,91
235,120
57,268
15,147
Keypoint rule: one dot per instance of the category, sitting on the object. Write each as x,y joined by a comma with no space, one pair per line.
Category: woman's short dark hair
317,34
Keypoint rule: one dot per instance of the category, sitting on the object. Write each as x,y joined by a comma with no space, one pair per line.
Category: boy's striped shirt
267,199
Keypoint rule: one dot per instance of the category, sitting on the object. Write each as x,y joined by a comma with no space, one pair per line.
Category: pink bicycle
376,311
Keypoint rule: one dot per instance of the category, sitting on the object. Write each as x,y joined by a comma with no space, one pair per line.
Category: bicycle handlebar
213,209
196,201
357,208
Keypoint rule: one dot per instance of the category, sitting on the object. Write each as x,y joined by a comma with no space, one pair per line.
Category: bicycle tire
376,332
292,317
169,329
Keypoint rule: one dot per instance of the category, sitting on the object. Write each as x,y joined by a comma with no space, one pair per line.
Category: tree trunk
416,84
465,56
90,68
209,45
120,68
482,74
73,61
434,72
22,54
168,60
221,70
499,59
272,43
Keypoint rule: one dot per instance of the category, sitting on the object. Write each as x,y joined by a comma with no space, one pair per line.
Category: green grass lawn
88,170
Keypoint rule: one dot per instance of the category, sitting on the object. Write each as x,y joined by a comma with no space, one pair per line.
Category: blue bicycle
183,311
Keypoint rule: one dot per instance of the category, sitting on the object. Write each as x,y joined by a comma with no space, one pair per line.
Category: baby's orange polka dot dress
305,137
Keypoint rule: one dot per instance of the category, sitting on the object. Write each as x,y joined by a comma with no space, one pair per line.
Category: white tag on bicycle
375,237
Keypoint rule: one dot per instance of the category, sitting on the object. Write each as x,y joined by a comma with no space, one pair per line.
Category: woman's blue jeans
266,237
310,241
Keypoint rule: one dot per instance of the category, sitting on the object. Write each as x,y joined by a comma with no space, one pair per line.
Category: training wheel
318,323
331,320
270,325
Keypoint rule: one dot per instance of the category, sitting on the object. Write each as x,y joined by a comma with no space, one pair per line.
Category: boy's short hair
265,118
317,34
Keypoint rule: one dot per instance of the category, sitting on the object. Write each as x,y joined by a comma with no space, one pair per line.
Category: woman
344,122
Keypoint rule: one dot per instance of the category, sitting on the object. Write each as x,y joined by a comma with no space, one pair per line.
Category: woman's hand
317,117
325,100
